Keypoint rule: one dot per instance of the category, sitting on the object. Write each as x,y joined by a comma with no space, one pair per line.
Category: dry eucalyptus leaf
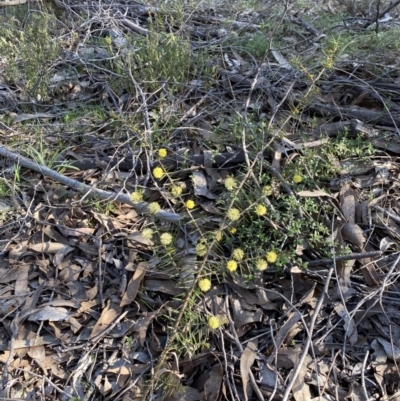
385,244
392,352
348,202
212,387
138,237
165,286
133,285
51,313
247,359
354,234
109,314
21,284
293,318
349,324
142,325
301,390
242,316
268,376
37,353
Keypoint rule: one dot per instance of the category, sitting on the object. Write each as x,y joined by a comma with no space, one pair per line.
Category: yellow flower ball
162,152
148,233
154,207
176,190
260,209
267,190
166,239
271,257
190,204
297,179
204,284
136,197
230,183
201,249
233,230
261,264
213,322
233,214
158,173
218,236
231,265
238,254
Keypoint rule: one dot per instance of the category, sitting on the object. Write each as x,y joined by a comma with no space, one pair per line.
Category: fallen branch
365,115
12,3
353,256
87,190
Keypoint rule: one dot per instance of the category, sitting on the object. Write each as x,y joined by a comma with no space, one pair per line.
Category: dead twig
305,25
393,216
364,365
309,338
239,345
381,14
353,256
47,380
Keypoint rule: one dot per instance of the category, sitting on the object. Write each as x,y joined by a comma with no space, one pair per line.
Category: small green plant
100,206
29,54
254,44
162,58
5,188
43,156
129,341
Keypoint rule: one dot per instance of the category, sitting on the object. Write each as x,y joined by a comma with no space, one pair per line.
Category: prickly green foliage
29,54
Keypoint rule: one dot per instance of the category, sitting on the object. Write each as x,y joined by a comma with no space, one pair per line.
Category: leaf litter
88,309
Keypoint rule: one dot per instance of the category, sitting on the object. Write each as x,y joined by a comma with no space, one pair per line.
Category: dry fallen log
84,189
367,116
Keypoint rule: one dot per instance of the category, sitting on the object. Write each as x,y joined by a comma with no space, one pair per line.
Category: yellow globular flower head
233,214
201,249
218,236
213,322
267,190
231,265
148,233
162,152
260,209
190,204
136,197
158,173
233,230
176,190
297,179
166,239
238,254
271,257
154,207
230,183
261,264
204,284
